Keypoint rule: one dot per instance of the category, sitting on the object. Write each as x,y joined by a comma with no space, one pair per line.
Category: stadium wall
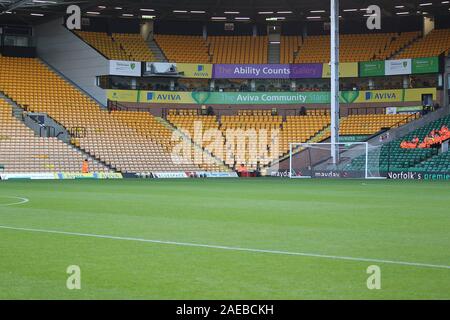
72,57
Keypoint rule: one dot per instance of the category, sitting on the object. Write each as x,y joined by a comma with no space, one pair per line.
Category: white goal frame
296,147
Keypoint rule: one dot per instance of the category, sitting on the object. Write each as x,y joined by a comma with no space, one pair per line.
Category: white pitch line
22,201
198,245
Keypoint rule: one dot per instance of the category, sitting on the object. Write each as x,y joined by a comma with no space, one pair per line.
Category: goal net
357,160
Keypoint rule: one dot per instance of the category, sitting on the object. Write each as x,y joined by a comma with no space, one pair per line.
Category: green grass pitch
397,221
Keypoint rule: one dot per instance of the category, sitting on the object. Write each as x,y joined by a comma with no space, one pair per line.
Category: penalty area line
229,248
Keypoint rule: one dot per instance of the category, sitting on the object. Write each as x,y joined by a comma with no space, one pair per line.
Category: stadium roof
33,11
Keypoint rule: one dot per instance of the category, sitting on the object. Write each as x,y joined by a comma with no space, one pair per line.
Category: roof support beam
14,5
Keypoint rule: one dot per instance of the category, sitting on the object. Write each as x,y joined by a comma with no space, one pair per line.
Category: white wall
147,30
428,25
72,57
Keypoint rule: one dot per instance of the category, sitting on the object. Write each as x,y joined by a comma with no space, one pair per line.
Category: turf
389,220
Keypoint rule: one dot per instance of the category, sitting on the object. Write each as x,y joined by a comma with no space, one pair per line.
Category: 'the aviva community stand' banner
267,98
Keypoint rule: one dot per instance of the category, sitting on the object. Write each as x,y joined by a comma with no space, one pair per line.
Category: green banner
267,98
355,138
371,68
425,65
231,98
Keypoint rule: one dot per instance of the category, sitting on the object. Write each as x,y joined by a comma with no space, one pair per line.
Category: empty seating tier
251,140
300,129
22,151
438,163
184,49
371,124
239,49
104,44
203,130
433,44
353,47
134,45
289,47
120,143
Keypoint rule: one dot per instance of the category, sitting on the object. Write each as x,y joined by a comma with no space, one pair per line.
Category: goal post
357,160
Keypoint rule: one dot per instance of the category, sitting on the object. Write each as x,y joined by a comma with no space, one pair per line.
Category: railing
366,110
47,131
116,106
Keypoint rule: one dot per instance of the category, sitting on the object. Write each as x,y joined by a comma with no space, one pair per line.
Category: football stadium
224,150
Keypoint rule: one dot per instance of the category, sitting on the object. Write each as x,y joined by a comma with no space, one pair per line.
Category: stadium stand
402,41
233,135
35,87
238,49
105,44
372,123
421,133
300,129
438,163
187,123
184,49
266,130
354,47
208,136
148,126
394,158
248,49
22,151
294,129
433,44
289,47
134,46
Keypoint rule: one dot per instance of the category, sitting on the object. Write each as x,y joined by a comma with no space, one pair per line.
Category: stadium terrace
207,152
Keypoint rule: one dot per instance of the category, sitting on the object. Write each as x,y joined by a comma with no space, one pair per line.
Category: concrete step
157,52
274,53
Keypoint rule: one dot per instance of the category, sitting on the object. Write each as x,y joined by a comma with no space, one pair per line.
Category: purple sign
306,71
267,71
